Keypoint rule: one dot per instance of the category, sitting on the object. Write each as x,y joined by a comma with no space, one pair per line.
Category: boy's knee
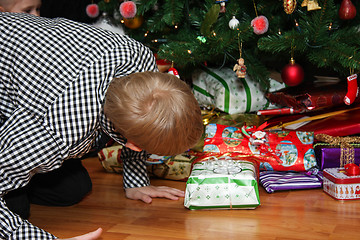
74,193
17,201
63,187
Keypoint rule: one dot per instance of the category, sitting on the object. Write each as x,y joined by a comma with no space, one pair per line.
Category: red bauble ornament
128,9
292,74
92,10
260,25
347,10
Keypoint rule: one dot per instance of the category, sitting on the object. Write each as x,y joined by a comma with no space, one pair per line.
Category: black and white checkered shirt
53,77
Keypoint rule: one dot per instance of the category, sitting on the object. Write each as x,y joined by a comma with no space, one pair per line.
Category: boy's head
156,111
21,6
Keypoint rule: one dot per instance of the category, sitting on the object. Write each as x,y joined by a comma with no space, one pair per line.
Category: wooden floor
302,214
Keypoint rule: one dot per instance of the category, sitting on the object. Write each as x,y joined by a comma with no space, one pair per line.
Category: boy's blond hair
156,111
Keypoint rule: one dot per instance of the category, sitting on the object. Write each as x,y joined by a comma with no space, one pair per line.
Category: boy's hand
146,194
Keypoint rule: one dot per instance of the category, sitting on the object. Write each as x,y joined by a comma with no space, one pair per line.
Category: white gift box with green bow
222,184
228,93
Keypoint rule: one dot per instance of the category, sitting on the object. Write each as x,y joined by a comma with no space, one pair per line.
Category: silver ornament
233,23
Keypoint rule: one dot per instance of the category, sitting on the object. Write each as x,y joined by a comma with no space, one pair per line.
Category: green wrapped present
222,182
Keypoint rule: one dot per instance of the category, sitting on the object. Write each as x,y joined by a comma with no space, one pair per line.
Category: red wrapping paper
344,124
287,150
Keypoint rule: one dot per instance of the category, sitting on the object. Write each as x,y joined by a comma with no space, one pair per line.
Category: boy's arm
135,172
26,147
13,227
136,181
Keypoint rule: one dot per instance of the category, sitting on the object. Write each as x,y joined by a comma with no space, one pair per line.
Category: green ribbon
202,91
227,91
248,94
219,180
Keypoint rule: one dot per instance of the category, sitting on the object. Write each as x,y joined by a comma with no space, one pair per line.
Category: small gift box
338,184
333,152
173,168
222,181
176,167
328,156
275,150
280,181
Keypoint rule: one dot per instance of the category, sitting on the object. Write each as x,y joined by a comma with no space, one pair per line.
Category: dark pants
62,187
65,186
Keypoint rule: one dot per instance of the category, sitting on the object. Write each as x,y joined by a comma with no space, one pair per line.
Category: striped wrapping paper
278,181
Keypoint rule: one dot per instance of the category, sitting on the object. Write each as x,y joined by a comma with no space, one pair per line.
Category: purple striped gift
278,181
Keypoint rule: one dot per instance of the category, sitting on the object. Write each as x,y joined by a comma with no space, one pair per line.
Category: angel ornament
240,68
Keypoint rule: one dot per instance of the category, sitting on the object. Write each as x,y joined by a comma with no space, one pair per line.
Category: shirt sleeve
13,227
134,163
26,147
135,172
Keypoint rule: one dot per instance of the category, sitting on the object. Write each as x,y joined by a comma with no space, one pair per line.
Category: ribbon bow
223,166
257,137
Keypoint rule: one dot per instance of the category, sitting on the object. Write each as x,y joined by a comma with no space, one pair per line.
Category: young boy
66,185
62,85
21,6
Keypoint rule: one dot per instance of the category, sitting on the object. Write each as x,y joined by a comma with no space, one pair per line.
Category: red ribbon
352,169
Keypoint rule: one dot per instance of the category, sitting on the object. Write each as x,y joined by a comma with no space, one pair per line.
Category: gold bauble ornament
133,23
289,6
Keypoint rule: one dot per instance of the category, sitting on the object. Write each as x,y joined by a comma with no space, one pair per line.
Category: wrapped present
110,158
228,93
341,186
222,181
167,167
173,168
334,152
313,97
236,120
275,150
329,156
343,124
279,181
339,121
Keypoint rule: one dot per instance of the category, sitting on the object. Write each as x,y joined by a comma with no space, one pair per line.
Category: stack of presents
281,139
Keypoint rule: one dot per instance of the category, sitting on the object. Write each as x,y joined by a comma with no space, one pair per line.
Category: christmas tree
265,34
